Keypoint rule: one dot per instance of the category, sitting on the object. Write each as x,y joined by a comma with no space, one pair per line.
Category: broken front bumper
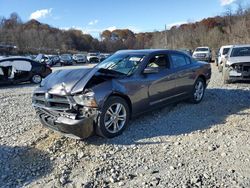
76,128
239,72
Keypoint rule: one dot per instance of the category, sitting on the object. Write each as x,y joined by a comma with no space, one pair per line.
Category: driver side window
159,61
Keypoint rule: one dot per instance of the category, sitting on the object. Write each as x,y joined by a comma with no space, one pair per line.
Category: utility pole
165,36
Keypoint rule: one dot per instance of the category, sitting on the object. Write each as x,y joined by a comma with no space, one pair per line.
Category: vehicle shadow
182,118
22,165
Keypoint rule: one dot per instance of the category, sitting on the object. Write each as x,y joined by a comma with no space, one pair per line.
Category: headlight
86,99
228,63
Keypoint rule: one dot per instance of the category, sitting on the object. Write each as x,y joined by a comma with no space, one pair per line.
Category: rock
121,183
112,179
80,155
63,180
172,168
223,154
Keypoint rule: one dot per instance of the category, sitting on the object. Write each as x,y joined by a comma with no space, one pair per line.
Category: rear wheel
36,79
113,118
198,91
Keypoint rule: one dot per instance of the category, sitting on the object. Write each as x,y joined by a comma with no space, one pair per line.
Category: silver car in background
80,58
203,54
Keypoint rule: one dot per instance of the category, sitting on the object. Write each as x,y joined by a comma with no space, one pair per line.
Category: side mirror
226,56
151,70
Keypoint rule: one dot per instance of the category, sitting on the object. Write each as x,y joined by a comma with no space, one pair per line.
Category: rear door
22,69
184,70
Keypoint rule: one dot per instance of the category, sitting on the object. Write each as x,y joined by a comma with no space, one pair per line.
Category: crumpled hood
64,82
236,60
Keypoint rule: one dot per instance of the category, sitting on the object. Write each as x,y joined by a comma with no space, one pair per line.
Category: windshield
242,51
201,49
67,57
225,51
93,54
79,55
122,63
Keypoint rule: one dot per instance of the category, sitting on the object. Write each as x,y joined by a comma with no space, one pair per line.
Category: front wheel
198,91
114,118
36,79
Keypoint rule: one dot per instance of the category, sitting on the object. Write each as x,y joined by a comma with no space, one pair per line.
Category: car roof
241,45
16,58
147,51
202,47
226,46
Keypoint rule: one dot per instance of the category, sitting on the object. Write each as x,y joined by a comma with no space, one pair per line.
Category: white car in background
80,58
93,57
236,65
203,54
222,54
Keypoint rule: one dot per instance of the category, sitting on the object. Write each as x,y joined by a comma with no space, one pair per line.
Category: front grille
200,55
242,67
53,102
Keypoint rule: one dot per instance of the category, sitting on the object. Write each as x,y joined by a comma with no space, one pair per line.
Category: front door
161,85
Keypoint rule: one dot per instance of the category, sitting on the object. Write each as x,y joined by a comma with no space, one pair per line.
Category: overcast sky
94,16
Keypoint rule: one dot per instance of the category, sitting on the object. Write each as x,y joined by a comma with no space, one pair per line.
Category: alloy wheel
199,91
115,118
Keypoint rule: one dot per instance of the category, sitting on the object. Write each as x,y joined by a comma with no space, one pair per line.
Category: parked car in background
186,51
93,57
222,54
203,54
236,64
80,58
55,59
44,59
31,56
66,59
103,56
103,99
18,69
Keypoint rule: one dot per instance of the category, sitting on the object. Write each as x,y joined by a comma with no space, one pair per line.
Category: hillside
35,37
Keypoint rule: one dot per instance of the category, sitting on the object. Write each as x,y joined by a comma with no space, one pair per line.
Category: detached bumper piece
77,128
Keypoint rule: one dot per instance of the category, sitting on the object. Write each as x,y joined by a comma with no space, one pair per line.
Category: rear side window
179,60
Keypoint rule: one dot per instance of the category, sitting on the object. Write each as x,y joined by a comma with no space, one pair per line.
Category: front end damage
64,114
237,71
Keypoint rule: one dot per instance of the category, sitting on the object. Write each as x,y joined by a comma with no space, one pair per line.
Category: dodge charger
102,100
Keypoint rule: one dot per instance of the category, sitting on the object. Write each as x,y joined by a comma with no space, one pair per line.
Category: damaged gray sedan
101,100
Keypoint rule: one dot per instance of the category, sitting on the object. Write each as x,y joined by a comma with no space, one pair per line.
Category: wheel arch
123,96
203,78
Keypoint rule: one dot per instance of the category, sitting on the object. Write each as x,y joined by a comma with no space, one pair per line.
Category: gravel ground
182,145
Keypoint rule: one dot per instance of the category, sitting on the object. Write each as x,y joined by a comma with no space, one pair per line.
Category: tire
198,91
108,124
36,79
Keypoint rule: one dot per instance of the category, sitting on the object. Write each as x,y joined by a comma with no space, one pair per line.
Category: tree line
33,37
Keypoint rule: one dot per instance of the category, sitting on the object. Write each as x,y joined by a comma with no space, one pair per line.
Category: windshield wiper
110,71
